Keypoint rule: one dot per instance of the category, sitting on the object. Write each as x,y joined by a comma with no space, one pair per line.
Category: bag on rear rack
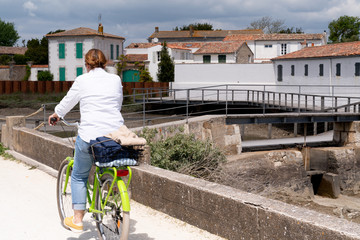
108,153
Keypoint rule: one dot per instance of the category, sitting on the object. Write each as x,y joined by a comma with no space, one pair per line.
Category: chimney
191,30
101,29
156,29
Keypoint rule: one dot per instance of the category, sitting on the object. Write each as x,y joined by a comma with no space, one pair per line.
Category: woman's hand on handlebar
53,119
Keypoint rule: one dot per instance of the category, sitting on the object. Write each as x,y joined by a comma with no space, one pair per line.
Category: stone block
318,159
329,186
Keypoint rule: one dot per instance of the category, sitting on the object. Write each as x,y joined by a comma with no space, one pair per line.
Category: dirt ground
345,206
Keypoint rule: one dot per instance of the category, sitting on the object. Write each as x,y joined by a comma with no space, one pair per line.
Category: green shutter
117,51
79,50
62,74
79,71
111,51
61,50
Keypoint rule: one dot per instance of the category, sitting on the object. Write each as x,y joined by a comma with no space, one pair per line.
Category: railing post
226,104
299,99
144,110
263,100
322,103
202,95
187,104
218,95
45,121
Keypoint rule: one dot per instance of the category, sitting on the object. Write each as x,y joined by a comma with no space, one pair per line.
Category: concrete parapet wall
221,210
231,213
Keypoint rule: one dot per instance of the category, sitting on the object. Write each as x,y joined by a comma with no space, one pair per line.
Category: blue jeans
80,174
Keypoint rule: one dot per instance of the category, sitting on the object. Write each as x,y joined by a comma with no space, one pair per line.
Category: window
357,69
62,74
280,73
292,70
206,59
79,71
222,58
61,50
306,72
111,51
117,51
158,56
338,69
321,70
283,48
79,50
268,45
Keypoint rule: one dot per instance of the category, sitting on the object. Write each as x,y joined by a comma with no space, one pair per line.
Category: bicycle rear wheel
114,222
63,195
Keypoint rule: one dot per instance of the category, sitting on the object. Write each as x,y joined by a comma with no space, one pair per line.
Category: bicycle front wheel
113,223
63,192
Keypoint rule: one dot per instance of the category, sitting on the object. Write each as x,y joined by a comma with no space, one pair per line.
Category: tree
292,31
8,34
344,29
166,67
37,50
145,75
268,25
195,26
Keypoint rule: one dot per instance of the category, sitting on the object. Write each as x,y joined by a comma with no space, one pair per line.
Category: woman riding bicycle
100,96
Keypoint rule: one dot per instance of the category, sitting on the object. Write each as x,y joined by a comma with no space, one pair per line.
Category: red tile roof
82,31
220,47
202,33
136,57
12,50
142,45
329,50
149,45
274,36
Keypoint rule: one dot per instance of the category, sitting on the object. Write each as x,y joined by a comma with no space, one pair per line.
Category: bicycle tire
64,202
108,223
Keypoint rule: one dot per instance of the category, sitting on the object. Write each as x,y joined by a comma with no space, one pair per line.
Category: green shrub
185,154
20,59
28,73
5,59
45,76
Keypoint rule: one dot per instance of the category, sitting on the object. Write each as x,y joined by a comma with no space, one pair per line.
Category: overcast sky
136,19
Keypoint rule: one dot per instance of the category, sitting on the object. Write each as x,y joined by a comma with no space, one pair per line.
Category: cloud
30,7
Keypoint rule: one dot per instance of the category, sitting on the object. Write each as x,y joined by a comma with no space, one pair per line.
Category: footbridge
252,104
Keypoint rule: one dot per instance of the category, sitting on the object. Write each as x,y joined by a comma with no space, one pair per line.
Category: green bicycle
107,197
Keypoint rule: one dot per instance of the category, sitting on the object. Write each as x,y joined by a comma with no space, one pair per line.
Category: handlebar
74,124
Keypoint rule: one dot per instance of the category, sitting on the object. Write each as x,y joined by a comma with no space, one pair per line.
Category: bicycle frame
96,186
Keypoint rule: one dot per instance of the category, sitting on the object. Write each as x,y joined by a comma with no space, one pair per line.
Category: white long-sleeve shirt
100,96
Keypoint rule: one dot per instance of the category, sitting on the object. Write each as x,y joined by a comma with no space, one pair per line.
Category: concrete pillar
6,130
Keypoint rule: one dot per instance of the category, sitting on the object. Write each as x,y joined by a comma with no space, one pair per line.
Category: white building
268,46
332,64
224,52
67,50
152,51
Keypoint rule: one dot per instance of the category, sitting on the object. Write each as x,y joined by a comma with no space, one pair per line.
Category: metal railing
293,98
